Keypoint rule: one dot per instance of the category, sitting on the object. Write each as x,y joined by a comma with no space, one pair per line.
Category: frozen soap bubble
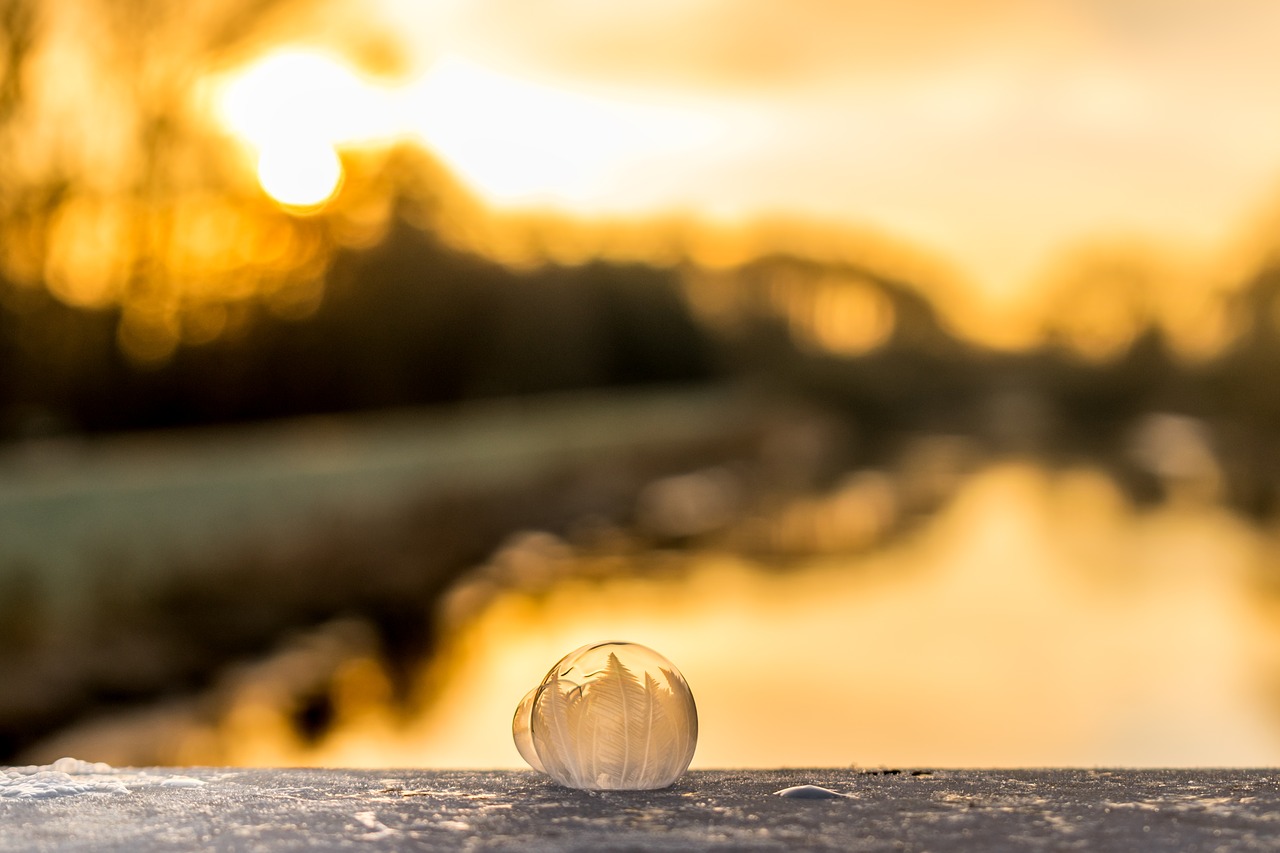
609,716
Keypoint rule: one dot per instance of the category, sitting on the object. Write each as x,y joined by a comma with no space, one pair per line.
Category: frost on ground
68,777
182,782
65,777
963,810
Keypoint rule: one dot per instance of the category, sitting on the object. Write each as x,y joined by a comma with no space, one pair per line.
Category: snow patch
66,777
182,782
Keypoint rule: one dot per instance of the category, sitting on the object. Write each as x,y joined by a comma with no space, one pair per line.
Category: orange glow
986,137
90,254
567,167
1009,633
992,133
841,315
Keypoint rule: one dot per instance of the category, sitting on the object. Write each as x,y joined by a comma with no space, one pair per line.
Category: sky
998,135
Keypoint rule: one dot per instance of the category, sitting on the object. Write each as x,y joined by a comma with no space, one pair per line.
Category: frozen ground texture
232,809
63,778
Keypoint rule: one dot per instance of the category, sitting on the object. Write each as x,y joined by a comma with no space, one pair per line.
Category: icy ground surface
63,778
101,808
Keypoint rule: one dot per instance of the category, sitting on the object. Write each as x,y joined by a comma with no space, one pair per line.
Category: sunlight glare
300,93
516,142
301,173
520,142
295,107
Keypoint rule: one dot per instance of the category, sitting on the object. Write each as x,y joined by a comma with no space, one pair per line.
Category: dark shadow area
411,322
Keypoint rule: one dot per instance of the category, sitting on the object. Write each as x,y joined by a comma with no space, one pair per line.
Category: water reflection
1039,619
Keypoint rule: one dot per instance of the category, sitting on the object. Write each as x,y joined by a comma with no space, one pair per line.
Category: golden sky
1003,144
996,134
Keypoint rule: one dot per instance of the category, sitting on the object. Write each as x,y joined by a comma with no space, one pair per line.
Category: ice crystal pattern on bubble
609,716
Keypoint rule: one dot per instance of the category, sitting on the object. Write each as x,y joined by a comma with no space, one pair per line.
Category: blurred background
903,371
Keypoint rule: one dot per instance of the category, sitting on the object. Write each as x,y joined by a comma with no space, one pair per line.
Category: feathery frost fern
596,724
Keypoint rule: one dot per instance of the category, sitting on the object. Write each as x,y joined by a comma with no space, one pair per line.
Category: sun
303,173
296,108
516,142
